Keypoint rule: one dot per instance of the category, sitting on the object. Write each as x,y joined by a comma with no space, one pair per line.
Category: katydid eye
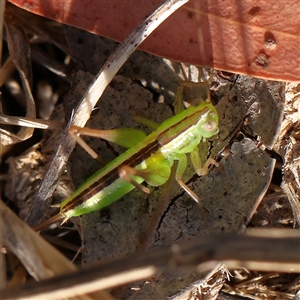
210,126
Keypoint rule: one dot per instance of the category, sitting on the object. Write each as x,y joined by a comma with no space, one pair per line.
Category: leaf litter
284,288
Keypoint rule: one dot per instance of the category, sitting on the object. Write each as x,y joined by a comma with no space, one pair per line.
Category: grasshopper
149,159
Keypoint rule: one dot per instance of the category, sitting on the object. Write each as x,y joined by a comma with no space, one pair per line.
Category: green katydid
150,159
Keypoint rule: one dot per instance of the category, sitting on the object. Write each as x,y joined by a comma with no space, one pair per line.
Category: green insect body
154,155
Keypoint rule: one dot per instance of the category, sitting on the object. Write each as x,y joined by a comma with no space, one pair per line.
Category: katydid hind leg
149,123
125,137
127,173
155,172
76,136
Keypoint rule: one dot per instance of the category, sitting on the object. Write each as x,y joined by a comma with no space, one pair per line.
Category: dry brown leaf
39,258
19,48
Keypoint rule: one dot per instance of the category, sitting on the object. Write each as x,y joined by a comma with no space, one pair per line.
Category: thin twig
275,251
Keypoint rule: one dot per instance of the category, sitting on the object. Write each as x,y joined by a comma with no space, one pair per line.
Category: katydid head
208,123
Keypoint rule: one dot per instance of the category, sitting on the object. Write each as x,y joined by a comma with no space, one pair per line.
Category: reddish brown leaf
260,38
